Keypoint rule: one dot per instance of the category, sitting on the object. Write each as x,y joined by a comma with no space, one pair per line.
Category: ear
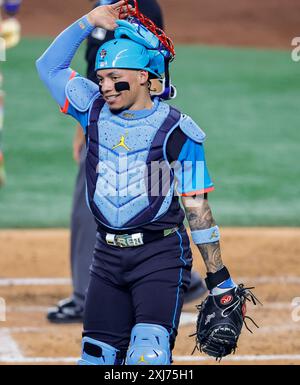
143,77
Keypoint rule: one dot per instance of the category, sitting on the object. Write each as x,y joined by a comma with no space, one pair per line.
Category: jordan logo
142,360
122,143
214,235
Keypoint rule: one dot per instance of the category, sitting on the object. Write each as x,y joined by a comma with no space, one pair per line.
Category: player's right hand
105,16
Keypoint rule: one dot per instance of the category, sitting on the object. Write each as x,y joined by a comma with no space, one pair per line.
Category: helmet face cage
143,30
141,19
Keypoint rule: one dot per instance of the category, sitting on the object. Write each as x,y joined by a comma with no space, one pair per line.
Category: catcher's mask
137,48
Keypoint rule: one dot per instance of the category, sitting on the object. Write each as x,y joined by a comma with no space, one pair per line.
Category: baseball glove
220,321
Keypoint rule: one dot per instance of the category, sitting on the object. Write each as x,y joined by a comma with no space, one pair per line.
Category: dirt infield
257,23
266,258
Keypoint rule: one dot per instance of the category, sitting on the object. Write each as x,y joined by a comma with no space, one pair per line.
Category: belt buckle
129,240
125,240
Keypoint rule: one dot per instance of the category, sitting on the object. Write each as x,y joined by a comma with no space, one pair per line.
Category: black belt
135,239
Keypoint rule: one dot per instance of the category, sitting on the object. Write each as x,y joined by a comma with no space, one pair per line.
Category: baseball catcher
142,154
10,32
83,227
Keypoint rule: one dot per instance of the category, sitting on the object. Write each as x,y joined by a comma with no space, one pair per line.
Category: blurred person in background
10,34
83,225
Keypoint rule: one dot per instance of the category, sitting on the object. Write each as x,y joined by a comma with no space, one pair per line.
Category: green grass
246,100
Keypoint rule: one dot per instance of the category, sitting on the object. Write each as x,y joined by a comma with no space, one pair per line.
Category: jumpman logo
142,359
122,143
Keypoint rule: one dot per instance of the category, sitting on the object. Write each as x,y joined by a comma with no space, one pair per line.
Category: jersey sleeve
54,66
81,117
191,170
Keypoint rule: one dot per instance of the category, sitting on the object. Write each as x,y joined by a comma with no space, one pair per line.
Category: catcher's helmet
128,54
135,47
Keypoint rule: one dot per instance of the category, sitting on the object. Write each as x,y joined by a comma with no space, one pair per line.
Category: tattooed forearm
198,213
200,217
211,255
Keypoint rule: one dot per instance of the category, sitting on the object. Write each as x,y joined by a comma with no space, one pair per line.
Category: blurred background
235,77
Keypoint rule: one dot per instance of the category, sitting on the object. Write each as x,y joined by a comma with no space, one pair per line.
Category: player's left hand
220,321
105,16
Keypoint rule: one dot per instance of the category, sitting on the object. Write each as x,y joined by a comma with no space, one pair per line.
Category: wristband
214,279
206,236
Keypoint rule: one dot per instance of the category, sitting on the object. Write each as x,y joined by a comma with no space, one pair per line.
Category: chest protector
125,186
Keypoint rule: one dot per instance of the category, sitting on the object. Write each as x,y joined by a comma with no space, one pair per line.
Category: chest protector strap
92,158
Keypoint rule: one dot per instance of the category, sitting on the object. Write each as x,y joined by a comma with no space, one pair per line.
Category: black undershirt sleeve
175,144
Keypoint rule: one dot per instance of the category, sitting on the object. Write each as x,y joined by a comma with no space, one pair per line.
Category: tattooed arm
200,217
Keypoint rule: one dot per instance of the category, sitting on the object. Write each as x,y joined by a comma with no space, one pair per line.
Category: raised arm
54,65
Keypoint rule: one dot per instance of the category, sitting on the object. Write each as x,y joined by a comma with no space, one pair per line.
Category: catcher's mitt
220,321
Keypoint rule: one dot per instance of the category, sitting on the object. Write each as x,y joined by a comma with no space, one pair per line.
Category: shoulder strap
172,119
94,117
